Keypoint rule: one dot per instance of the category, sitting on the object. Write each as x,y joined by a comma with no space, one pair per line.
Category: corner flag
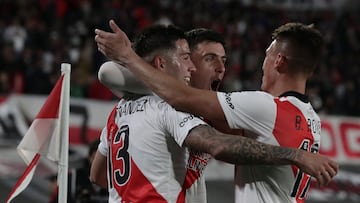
48,135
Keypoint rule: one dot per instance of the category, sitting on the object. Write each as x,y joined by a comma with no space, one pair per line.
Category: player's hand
318,166
115,45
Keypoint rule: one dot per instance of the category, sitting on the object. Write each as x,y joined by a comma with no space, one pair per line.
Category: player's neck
288,84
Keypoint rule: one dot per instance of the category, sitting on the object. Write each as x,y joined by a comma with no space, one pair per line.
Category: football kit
143,142
288,120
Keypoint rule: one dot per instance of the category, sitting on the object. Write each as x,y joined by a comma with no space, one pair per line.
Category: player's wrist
130,59
297,159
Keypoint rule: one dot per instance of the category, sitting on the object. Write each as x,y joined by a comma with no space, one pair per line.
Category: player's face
178,64
209,59
269,70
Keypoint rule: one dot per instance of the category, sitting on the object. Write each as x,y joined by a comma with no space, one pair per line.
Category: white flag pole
64,134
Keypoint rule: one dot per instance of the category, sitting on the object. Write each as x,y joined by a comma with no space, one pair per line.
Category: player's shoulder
249,95
137,98
156,103
150,103
155,100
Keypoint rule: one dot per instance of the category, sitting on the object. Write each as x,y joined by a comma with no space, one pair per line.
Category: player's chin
215,85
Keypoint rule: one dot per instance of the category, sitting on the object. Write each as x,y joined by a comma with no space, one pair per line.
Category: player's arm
119,80
203,103
242,150
98,170
199,102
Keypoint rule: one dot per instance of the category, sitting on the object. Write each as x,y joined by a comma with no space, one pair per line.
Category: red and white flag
42,138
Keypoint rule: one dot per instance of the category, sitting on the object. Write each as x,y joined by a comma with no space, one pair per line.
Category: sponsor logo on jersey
186,119
228,100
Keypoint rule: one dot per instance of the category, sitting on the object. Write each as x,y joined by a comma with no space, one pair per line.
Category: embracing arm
119,80
117,47
242,150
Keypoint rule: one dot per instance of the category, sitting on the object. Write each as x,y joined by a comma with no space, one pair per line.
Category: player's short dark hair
199,35
305,44
157,37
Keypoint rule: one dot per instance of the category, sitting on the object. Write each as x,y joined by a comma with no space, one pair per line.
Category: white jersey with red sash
288,120
146,161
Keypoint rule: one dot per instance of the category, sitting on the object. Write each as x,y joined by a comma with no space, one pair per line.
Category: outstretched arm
242,150
116,46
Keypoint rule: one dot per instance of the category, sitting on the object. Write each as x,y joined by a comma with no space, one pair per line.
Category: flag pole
64,132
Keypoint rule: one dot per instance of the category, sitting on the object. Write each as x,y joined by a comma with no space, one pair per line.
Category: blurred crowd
36,36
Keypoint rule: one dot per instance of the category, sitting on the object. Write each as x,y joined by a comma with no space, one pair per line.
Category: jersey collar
298,95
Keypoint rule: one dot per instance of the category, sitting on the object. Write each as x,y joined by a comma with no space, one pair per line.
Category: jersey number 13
119,163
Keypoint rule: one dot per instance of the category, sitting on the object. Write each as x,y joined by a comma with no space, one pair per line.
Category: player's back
286,121
148,162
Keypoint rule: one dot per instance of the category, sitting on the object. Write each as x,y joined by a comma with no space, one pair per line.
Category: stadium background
36,36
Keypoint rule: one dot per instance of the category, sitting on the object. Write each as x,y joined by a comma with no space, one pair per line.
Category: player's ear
281,63
159,63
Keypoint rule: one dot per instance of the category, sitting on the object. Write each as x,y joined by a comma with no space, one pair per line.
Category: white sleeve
119,79
251,110
178,124
103,145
